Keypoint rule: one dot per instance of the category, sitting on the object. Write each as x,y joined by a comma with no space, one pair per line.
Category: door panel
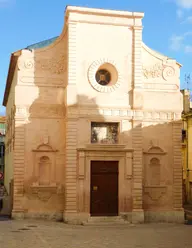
104,188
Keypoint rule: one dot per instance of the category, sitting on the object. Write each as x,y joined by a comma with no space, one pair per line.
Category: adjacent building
187,147
94,124
2,147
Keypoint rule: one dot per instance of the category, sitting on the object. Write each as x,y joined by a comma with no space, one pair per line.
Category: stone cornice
146,115
105,148
104,12
57,110
101,16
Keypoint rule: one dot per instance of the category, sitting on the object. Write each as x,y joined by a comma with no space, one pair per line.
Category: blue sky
167,26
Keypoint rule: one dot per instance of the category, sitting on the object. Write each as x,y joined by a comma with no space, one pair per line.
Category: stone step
105,218
105,221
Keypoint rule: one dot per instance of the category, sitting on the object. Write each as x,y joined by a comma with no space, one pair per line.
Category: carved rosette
27,64
168,72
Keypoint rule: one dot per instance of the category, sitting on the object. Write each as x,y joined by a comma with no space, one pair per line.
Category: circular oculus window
103,76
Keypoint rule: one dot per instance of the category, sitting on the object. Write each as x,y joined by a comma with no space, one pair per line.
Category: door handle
95,188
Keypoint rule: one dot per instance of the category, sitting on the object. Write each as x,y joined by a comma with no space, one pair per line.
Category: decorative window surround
114,71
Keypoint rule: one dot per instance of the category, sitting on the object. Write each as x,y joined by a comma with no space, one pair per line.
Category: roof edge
158,54
97,11
12,65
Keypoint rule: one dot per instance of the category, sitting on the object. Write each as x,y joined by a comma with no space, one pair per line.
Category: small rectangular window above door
104,132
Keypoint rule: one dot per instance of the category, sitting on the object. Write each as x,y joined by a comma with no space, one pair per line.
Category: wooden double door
104,188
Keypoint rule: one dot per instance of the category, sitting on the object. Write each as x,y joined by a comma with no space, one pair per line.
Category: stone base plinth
75,218
55,216
174,216
17,215
135,217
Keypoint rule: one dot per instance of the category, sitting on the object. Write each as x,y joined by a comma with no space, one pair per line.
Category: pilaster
71,168
72,53
19,168
177,165
138,215
70,209
137,68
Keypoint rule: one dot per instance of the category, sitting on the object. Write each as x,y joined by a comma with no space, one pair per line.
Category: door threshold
105,220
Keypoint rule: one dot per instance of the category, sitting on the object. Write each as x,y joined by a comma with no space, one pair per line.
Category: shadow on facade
54,139
49,178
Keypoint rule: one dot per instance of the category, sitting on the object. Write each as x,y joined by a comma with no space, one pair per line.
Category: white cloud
189,33
188,20
186,4
176,42
188,49
179,13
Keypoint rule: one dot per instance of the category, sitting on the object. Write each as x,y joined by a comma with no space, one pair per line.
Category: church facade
94,124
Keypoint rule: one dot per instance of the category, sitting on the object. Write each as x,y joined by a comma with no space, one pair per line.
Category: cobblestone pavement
38,234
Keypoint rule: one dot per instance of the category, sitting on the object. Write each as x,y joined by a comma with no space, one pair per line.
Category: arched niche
44,166
155,172
154,159
44,170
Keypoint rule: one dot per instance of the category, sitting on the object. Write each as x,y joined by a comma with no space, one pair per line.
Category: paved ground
36,234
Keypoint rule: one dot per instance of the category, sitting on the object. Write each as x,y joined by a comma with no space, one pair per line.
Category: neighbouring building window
104,133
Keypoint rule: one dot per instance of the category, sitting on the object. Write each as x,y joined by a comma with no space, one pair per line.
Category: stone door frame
102,153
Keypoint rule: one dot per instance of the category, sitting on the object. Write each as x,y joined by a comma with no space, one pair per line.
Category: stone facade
52,98
187,147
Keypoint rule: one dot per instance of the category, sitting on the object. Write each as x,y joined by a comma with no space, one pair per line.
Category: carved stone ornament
27,64
155,150
54,65
158,70
44,193
92,73
168,72
155,192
